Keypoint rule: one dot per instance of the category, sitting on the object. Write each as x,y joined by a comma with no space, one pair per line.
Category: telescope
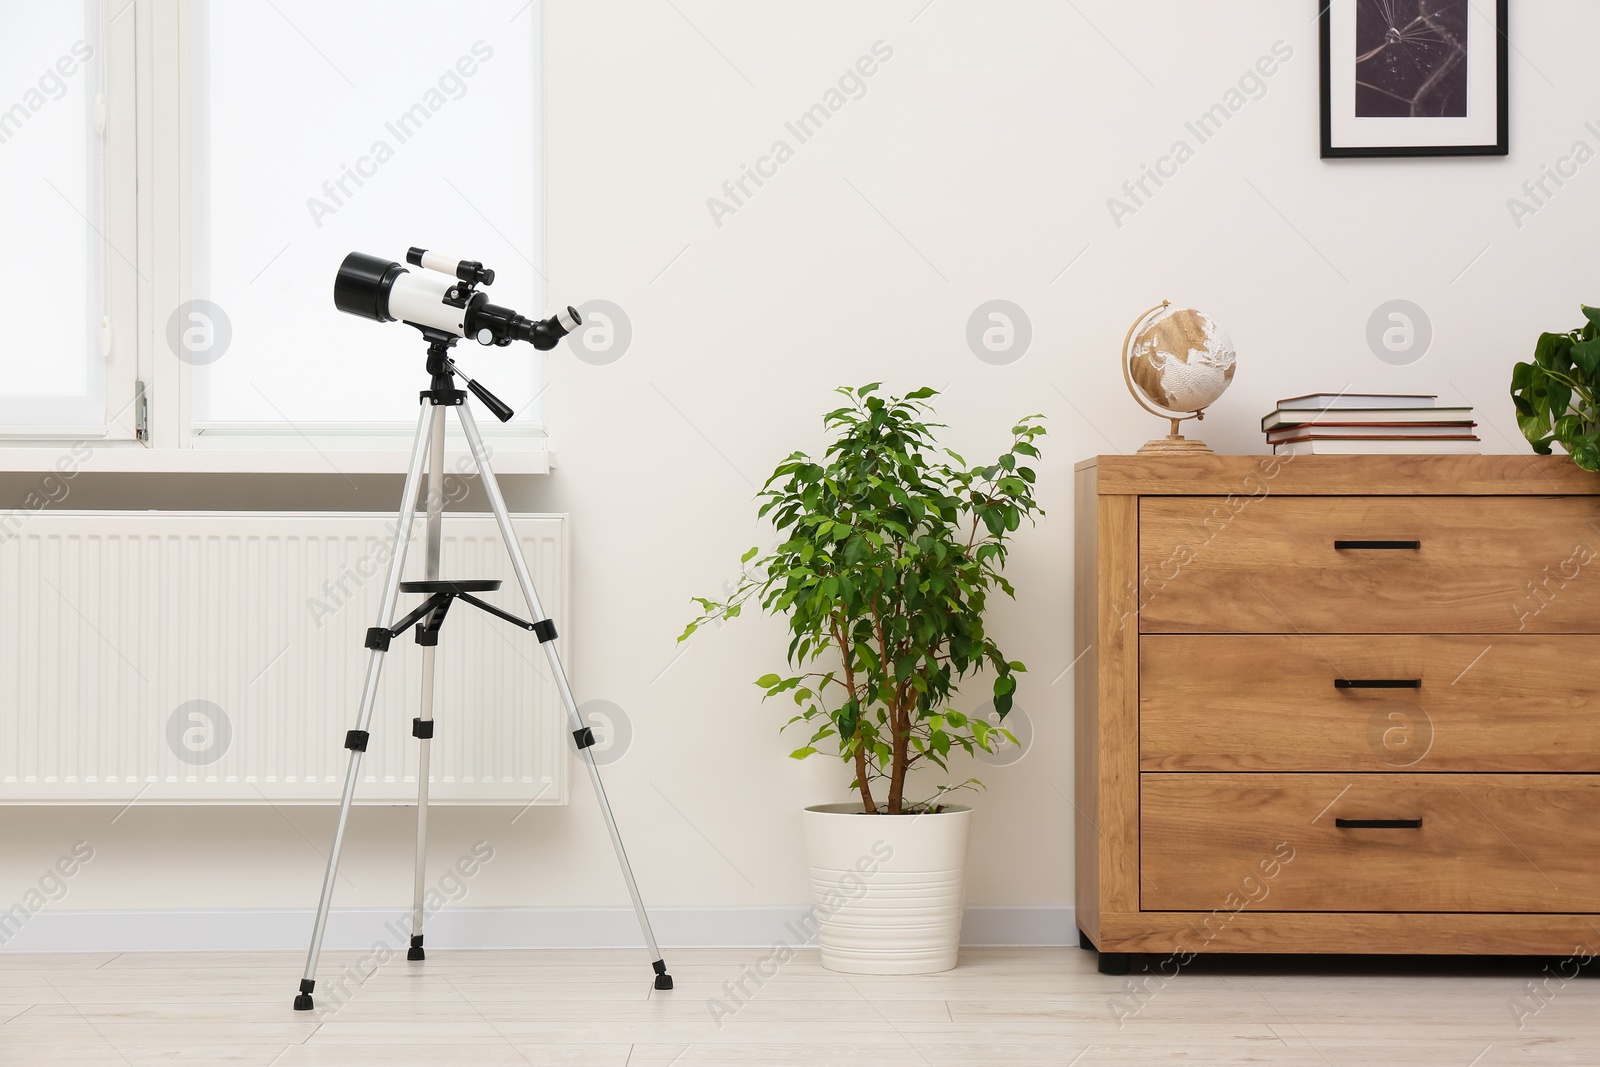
442,301
444,296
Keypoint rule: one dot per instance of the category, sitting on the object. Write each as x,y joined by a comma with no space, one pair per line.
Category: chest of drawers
1338,704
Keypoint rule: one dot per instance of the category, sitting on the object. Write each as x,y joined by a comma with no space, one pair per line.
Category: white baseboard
270,929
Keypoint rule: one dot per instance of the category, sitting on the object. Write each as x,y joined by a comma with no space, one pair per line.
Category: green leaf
1521,376
767,681
1585,451
1550,352
1585,359
1558,398
802,753
1534,427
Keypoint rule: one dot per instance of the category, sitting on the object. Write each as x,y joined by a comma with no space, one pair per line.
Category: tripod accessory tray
452,585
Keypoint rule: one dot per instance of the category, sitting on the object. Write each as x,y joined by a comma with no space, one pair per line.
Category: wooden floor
1000,1007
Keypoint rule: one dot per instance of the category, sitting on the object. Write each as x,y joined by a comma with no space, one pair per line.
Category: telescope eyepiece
544,334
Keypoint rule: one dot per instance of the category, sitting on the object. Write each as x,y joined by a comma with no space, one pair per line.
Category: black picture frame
1502,145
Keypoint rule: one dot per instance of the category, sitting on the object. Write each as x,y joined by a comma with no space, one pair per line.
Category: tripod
428,449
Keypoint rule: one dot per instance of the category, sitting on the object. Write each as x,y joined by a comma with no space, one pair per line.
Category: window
60,365
180,182
322,129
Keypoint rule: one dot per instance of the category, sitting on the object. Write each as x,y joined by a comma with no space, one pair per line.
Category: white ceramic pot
888,889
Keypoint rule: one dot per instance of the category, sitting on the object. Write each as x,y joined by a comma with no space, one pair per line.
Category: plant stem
867,804
862,781
901,722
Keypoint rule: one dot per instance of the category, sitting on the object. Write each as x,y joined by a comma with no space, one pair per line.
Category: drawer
1369,564
1274,842
1343,702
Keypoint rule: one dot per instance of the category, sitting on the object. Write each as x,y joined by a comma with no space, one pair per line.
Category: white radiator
218,658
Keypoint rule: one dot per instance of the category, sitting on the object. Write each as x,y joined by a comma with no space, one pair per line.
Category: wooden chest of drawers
1337,704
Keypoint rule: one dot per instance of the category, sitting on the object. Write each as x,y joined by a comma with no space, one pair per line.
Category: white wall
977,165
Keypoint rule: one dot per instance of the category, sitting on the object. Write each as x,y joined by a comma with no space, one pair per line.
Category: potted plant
891,548
1558,394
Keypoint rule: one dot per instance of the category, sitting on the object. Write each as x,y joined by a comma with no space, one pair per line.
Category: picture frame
1414,78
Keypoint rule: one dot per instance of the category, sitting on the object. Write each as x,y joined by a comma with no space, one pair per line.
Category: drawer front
1369,565
1305,842
1344,702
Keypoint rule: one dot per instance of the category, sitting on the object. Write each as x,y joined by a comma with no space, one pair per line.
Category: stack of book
1368,423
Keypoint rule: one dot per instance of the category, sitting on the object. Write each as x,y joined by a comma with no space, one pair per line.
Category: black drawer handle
1377,683
1413,546
1378,824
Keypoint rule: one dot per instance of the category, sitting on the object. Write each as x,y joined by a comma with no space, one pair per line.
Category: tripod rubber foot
415,954
663,981
303,1002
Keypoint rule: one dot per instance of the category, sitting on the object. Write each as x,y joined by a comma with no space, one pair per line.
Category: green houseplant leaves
892,546
1556,395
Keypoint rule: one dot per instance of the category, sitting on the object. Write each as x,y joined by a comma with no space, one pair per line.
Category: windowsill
134,459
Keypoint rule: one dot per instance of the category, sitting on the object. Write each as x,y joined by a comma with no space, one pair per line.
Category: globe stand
1174,444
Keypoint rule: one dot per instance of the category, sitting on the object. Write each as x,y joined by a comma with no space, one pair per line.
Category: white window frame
112,110
148,230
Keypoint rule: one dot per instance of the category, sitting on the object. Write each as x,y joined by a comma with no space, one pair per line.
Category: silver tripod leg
423,728
547,641
356,740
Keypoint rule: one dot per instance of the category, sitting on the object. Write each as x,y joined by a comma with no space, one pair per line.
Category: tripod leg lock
422,728
584,738
303,1002
663,979
544,630
356,740
378,639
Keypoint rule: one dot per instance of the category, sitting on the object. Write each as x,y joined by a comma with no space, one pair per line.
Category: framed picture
1414,78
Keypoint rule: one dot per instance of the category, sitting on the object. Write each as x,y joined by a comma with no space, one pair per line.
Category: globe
1183,361
1176,360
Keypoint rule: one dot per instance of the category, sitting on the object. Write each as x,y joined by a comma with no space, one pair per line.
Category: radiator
218,658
